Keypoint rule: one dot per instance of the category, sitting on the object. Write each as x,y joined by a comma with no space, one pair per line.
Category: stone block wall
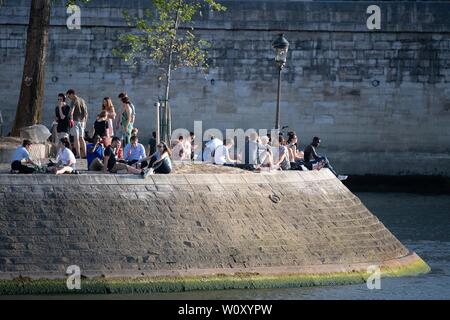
373,96
187,224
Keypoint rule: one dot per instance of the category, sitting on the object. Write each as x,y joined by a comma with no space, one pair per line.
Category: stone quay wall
379,99
189,225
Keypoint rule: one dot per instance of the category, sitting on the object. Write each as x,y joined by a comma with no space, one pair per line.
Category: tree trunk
29,107
167,122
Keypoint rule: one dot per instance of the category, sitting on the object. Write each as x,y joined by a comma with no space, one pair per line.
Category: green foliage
159,38
72,2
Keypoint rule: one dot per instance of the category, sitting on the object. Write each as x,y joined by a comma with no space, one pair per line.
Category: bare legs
62,170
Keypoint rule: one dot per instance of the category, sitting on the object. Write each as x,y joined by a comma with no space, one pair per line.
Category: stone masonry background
380,100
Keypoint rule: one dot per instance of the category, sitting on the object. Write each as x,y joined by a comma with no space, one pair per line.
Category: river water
420,222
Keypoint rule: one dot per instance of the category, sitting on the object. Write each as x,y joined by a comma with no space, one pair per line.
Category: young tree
29,107
167,40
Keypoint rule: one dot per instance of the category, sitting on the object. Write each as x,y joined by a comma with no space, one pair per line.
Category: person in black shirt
101,125
110,162
62,117
313,160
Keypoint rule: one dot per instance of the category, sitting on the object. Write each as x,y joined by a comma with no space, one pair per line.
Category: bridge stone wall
380,99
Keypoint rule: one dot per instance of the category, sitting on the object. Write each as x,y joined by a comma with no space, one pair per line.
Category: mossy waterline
146,285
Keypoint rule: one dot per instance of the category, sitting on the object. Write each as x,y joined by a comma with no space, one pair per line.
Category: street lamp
158,120
281,46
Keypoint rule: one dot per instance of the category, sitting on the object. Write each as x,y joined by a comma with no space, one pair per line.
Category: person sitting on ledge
222,153
295,156
314,161
94,154
110,163
20,156
134,151
178,150
283,155
210,147
160,161
65,160
265,154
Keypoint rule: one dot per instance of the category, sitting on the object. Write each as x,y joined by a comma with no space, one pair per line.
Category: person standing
62,111
193,145
77,119
125,120
152,143
111,115
21,156
101,126
133,109
187,148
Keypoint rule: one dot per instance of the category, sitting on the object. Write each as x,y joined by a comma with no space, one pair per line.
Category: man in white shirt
22,154
210,148
222,154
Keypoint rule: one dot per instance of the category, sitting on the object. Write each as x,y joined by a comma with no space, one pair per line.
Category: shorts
118,167
77,130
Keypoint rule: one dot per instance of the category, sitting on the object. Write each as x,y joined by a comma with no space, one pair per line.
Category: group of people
262,152
71,118
110,131
132,160
100,157
104,152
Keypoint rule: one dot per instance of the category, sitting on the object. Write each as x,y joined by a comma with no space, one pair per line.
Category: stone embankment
189,231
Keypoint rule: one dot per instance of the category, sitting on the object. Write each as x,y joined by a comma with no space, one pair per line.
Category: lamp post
158,120
281,46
